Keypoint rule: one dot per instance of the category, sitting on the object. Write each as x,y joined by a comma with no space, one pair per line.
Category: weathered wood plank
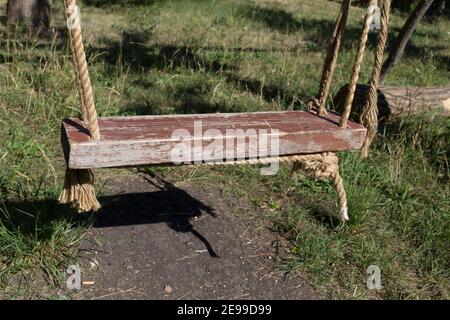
147,140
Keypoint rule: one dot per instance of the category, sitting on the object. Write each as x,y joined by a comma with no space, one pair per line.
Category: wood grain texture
149,140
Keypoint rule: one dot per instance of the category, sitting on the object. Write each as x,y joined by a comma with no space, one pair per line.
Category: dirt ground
153,240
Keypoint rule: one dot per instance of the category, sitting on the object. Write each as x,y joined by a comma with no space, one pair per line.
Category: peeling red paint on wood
146,140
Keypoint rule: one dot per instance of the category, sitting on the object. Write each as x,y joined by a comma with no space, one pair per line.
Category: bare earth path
153,240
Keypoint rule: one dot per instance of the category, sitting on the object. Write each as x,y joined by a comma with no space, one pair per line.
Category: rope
81,68
369,116
322,166
319,166
331,59
325,165
358,61
79,184
77,79
79,190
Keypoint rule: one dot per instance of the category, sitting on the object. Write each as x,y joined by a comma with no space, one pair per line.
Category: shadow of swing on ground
170,205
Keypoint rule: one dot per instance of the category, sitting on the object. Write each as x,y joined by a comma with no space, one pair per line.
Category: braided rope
369,116
331,59
81,68
358,61
77,79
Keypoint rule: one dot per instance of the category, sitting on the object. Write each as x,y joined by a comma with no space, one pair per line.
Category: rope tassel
79,190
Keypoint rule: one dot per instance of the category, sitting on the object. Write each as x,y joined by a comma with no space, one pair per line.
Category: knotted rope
322,166
358,61
79,184
319,166
369,116
326,165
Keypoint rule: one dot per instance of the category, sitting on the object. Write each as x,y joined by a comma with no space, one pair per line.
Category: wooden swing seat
148,140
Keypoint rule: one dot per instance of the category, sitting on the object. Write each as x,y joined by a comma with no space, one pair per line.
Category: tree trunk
30,13
395,102
403,37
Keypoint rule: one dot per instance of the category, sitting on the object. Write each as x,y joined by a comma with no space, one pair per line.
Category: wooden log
149,140
395,102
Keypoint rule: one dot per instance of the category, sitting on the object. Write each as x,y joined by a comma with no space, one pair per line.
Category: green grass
400,218
232,56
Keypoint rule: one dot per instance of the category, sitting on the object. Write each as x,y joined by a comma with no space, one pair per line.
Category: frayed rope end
344,213
79,190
